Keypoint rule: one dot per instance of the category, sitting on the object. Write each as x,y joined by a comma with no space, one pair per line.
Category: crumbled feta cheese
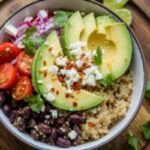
69,91
50,97
76,52
79,63
54,113
78,45
43,13
72,134
98,75
61,61
43,108
49,87
40,81
28,18
90,70
11,29
53,69
47,116
90,80
43,68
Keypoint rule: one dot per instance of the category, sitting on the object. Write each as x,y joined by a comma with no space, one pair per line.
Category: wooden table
141,26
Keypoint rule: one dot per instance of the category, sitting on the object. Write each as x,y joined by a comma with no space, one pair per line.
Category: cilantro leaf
30,42
107,81
147,93
35,102
98,57
61,17
133,140
145,128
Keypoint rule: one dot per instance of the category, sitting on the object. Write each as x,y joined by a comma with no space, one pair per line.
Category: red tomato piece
8,76
24,63
8,52
22,89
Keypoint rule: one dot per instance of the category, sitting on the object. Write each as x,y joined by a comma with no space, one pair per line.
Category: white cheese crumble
54,114
72,134
76,52
43,13
61,61
78,45
43,68
69,91
50,97
11,29
53,69
28,18
79,63
90,80
49,87
40,81
53,52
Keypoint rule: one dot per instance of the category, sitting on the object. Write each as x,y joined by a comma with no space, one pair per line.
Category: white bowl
137,66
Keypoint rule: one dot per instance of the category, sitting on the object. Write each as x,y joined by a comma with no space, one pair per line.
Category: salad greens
133,140
145,128
35,102
98,57
61,17
31,42
107,81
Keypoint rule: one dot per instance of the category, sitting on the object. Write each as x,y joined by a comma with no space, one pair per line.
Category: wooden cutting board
141,27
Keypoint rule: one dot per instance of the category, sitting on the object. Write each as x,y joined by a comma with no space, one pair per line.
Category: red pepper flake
72,96
44,63
53,89
91,124
74,104
45,74
67,95
61,79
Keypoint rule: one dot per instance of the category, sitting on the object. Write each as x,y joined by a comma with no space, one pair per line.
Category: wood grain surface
141,26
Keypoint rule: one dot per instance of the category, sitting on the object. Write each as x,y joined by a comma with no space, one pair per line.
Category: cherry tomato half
8,75
8,52
22,89
24,63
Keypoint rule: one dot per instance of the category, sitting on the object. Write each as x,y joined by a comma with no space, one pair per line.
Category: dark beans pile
43,126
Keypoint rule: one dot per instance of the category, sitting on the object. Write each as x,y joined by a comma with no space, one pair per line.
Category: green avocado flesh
80,100
103,32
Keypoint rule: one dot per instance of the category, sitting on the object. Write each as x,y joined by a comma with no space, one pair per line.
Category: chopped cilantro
98,57
133,140
61,17
107,81
145,128
30,42
147,93
35,102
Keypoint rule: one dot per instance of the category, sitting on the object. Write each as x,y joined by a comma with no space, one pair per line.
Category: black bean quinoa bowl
49,129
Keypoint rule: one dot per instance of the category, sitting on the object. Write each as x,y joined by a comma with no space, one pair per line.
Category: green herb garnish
30,42
61,17
133,140
98,57
145,128
35,102
147,93
107,81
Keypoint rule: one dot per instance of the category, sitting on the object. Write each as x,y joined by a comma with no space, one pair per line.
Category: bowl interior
137,67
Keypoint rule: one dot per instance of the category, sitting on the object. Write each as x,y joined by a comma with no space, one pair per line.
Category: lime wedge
114,4
125,15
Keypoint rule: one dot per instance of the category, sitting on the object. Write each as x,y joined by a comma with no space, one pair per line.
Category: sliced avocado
71,32
80,100
89,27
103,22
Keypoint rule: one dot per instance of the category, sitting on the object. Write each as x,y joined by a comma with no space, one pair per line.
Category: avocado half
103,32
80,100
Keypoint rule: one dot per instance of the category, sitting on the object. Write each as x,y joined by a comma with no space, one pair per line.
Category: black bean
35,135
8,94
6,109
14,104
42,116
32,123
2,99
54,135
34,115
63,142
76,119
47,108
20,124
44,128
60,121
26,112
77,129
13,116
64,130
